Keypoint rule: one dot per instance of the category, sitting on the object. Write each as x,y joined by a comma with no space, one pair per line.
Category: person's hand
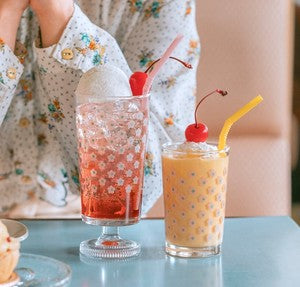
53,17
45,8
10,15
13,6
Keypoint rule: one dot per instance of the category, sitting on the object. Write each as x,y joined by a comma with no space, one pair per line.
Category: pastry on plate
9,253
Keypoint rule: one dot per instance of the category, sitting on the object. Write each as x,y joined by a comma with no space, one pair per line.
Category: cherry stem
187,65
220,92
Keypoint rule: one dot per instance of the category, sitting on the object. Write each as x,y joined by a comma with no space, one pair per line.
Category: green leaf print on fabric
154,9
136,5
149,165
92,44
55,110
19,171
145,58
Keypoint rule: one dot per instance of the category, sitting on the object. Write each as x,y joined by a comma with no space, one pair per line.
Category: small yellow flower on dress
169,121
26,179
2,44
188,9
194,48
24,122
193,44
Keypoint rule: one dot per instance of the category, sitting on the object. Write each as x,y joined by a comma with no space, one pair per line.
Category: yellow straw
234,118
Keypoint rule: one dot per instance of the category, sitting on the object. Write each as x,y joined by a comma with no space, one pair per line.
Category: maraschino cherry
198,132
138,79
137,82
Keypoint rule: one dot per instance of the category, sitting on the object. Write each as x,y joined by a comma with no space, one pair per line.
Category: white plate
16,229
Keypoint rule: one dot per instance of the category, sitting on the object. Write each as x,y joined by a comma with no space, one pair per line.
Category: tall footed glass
112,136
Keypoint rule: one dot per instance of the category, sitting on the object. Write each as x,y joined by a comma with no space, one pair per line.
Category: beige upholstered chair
247,48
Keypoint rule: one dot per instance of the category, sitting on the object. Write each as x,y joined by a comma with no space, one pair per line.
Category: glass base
109,245
109,222
120,248
192,252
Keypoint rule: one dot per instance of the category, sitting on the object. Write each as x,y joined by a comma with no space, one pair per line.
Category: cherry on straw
138,79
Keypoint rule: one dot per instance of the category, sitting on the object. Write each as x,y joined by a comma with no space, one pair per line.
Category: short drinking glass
194,183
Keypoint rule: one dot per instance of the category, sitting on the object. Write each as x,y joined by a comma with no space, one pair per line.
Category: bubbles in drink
111,157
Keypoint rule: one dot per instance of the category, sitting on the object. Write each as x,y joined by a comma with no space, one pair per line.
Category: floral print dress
38,154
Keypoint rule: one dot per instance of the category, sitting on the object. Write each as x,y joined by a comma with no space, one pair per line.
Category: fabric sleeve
10,72
84,45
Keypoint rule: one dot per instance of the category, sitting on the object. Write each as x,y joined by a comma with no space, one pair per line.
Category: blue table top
263,251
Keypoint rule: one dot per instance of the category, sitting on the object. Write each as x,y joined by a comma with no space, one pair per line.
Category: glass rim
144,96
167,148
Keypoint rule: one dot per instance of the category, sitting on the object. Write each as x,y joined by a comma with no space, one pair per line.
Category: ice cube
101,82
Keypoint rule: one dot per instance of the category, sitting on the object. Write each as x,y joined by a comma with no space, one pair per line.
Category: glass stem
109,233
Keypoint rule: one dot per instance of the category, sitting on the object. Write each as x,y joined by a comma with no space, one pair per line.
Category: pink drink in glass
111,143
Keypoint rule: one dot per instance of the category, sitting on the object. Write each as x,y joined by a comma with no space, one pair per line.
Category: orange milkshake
194,182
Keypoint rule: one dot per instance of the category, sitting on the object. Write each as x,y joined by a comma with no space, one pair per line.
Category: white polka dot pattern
40,120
